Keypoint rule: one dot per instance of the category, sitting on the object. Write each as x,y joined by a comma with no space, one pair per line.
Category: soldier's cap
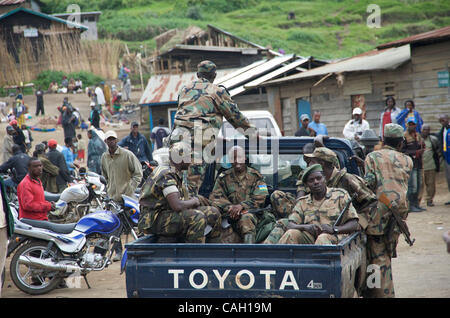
40,147
325,154
313,168
179,149
110,133
393,131
206,67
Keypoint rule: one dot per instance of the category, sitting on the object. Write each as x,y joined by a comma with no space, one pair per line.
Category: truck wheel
33,280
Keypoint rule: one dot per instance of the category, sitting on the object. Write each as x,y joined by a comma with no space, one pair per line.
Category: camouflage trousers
379,252
197,168
187,226
282,203
281,235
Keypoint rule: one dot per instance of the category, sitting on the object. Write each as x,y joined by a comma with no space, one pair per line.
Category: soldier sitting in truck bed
314,217
168,211
238,190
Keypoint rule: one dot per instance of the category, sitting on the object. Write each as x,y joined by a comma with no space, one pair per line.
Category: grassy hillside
322,28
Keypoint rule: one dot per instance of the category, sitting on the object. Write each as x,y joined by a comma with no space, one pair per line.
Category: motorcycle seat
54,227
51,197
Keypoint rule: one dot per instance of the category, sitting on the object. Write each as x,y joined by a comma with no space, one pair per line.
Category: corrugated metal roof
372,60
165,88
10,2
241,78
429,36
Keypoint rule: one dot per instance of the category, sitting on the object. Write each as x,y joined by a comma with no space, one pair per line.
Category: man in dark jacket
94,117
68,122
137,144
58,160
19,137
18,164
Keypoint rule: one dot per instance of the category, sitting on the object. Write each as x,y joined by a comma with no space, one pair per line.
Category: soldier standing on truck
314,218
387,172
201,108
167,210
238,190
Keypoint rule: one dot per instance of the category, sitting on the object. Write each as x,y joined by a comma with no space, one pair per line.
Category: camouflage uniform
158,218
201,108
248,190
326,211
387,171
364,202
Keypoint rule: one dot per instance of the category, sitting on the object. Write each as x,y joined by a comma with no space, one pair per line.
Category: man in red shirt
32,204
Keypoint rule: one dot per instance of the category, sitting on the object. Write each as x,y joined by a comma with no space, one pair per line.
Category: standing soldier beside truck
201,108
168,212
387,174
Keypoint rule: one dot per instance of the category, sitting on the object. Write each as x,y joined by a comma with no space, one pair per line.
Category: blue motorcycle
48,253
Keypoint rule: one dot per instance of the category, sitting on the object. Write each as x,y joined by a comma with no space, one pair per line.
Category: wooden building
179,51
23,26
8,5
430,63
412,68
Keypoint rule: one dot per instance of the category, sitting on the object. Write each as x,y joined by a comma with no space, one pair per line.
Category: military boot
249,238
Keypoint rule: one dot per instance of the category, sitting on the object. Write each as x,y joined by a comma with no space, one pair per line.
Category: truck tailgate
234,270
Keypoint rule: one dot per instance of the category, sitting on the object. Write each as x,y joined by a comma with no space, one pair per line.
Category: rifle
341,215
392,206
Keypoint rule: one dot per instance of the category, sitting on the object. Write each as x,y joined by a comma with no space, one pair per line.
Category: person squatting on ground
169,211
238,190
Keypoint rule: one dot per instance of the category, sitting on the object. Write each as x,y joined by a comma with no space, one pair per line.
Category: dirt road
419,271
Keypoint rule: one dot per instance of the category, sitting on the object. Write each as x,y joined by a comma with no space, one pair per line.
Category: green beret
325,154
206,67
393,131
313,168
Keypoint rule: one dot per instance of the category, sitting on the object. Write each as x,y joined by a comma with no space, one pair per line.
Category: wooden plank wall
430,99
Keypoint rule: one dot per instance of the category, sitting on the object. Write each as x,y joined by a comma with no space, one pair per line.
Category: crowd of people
172,208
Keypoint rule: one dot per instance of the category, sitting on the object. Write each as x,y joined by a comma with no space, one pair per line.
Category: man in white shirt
356,126
100,96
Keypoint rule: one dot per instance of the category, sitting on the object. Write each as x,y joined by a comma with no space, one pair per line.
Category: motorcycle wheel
33,280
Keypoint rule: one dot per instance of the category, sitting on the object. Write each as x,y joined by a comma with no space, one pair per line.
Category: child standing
81,148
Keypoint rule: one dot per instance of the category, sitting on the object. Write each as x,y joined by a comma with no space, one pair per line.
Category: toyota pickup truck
252,270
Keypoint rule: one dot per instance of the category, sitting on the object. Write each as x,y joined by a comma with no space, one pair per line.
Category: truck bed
245,270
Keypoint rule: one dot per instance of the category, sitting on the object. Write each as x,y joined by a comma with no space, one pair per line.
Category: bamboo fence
58,50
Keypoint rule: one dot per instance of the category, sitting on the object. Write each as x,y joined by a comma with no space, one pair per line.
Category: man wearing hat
414,147
8,143
354,128
137,144
304,130
314,215
57,158
387,172
168,208
201,108
120,167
